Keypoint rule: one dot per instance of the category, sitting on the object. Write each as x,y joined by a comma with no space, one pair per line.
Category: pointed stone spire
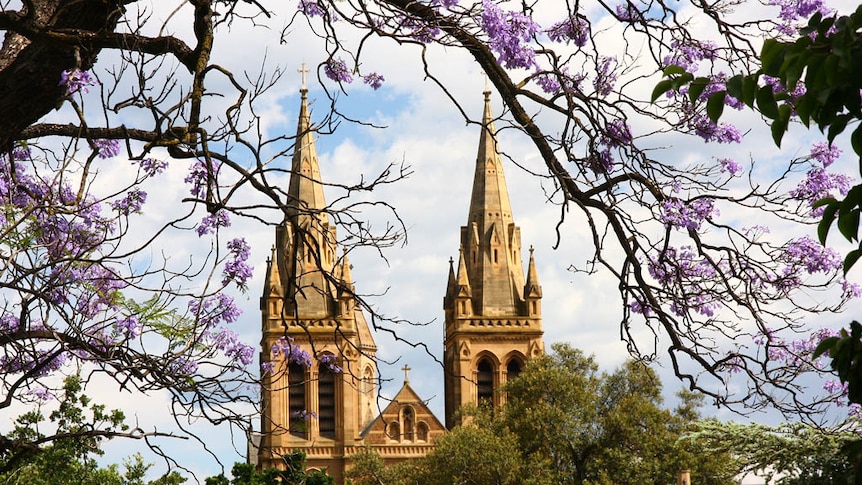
532,288
491,239
273,278
305,193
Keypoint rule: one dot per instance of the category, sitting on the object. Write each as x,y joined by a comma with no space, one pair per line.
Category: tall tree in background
89,84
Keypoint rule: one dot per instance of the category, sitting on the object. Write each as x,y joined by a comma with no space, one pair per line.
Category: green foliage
70,458
791,454
293,474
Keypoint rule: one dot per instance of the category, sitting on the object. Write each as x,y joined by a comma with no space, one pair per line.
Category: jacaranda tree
89,85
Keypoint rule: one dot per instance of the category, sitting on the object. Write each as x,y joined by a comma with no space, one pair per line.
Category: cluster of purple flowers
687,214
374,80
199,177
214,310
331,362
336,69
606,75
553,83
711,131
310,8
575,29
229,343
628,12
819,184
182,366
91,287
236,269
107,148
128,326
76,80
508,35
688,55
131,203
717,83
45,361
617,133
687,275
809,255
796,10
152,166
292,352
730,166
211,222
304,414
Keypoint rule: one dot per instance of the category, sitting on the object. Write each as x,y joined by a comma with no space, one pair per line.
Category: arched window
422,432
409,420
485,382
393,431
296,409
326,402
513,370
367,381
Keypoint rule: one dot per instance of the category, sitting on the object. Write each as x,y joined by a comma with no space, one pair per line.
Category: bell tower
318,355
493,316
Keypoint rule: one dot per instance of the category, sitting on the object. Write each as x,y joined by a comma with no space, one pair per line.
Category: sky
422,129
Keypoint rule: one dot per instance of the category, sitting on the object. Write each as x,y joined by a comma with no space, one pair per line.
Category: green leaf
804,106
771,56
673,71
697,87
856,142
715,105
848,224
828,217
766,102
779,126
662,87
823,346
749,90
837,126
851,259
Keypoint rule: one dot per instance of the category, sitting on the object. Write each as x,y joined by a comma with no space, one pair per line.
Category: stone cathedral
320,392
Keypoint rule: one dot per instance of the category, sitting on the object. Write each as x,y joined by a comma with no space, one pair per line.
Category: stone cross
303,70
406,369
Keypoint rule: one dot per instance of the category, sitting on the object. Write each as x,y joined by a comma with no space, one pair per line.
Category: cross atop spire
303,71
406,369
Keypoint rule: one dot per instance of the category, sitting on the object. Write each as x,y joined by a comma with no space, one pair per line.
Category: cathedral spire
305,193
491,239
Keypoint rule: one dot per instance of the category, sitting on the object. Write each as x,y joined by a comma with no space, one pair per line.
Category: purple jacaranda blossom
687,274
807,255
730,166
687,55
606,75
236,268
509,34
819,184
42,394
131,203
310,8
304,414
718,83
268,367
374,80
9,323
638,307
336,69
76,80
41,362
199,177
152,166
824,153
128,326
214,310
107,148
682,214
182,366
229,343
851,290
628,13
617,133
211,222
714,132
331,362
793,11
292,352
551,82
574,29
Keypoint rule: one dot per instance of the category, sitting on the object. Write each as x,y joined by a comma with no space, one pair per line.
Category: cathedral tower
318,353
493,316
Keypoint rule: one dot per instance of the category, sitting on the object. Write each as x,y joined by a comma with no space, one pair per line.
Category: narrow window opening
326,402
297,413
485,382
513,370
